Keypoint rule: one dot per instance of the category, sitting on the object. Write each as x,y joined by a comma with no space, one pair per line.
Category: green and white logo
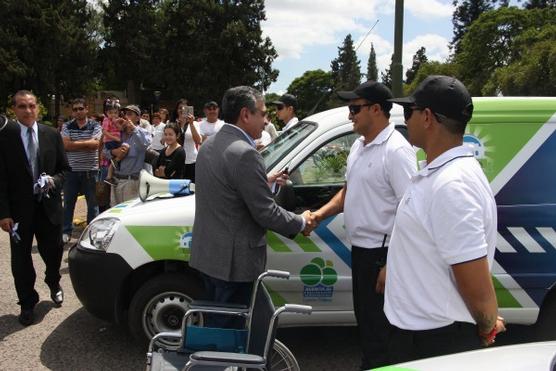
319,278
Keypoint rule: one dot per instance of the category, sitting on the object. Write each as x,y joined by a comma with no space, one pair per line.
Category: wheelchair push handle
277,274
297,308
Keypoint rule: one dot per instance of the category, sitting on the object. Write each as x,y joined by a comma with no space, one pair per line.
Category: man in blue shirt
131,156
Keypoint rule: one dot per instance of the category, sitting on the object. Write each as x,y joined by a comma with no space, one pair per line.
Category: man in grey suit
234,204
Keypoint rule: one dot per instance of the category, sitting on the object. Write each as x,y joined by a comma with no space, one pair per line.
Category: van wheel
159,305
545,328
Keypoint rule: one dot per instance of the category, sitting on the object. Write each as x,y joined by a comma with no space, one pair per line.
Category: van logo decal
318,277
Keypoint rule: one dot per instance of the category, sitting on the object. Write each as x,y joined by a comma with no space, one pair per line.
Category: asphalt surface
69,338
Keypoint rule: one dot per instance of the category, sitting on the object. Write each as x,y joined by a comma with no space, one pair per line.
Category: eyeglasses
212,108
75,109
354,109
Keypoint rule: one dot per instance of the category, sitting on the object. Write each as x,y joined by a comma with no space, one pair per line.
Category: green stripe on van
162,242
277,299
306,243
276,243
503,295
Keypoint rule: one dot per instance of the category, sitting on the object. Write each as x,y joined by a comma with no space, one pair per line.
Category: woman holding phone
189,138
170,163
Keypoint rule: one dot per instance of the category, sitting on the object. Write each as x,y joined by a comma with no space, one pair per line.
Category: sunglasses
280,107
408,112
354,109
75,109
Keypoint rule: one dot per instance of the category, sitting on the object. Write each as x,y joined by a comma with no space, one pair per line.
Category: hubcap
164,312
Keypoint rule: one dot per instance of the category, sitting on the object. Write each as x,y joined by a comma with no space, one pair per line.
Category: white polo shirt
377,175
447,216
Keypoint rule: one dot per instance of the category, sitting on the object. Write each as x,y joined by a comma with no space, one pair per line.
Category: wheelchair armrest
175,335
200,304
225,359
214,310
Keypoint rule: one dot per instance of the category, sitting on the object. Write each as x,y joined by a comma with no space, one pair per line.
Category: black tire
159,305
545,328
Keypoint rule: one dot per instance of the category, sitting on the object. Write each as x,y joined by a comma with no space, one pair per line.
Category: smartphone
189,110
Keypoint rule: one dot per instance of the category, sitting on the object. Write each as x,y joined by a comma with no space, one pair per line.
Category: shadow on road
9,323
82,342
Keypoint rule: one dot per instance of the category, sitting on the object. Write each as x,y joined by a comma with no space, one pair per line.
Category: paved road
69,338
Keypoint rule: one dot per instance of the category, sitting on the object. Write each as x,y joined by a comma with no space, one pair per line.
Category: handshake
311,222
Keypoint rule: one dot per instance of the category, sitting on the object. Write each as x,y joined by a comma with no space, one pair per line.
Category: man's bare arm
475,287
333,207
80,145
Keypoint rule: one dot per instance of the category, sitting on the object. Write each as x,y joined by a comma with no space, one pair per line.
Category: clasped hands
311,222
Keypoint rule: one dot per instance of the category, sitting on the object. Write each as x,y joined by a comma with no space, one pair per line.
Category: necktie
32,153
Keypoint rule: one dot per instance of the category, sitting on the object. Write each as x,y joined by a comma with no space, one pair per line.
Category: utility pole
397,67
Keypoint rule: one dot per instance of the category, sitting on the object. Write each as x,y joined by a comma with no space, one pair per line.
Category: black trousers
368,305
406,345
189,172
226,292
49,244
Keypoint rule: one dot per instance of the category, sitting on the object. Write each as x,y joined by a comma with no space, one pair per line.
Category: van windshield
286,142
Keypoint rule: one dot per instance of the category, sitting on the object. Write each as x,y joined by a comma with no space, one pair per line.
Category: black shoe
27,317
57,295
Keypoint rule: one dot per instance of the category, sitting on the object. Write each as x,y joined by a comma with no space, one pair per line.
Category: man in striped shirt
81,138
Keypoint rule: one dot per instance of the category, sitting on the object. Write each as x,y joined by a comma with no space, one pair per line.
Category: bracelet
490,336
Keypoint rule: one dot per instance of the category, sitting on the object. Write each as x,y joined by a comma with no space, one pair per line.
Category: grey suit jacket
234,208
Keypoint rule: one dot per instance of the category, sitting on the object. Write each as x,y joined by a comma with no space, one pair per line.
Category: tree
211,46
312,90
492,42
131,42
346,71
386,76
39,40
465,13
533,4
533,71
431,68
419,58
372,70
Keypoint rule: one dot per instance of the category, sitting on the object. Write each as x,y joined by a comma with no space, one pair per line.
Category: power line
367,35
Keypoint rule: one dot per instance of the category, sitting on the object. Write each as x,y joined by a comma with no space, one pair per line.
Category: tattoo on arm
485,321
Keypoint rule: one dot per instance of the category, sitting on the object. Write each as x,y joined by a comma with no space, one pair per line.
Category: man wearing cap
286,106
211,123
439,294
379,168
131,156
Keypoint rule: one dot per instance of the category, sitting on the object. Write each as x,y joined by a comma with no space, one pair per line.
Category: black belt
127,177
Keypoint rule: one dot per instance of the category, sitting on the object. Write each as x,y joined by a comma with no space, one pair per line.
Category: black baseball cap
444,95
286,100
371,90
211,104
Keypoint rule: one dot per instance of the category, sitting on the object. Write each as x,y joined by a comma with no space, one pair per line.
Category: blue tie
32,153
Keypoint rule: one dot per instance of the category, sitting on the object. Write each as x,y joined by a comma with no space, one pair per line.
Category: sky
307,33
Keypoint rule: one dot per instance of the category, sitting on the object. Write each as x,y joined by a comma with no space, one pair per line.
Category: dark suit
39,218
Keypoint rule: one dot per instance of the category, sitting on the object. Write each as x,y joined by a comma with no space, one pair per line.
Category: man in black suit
30,208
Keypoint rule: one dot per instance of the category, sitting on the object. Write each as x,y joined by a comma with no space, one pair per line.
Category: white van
130,264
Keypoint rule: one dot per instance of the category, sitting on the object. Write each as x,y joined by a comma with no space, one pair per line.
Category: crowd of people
422,241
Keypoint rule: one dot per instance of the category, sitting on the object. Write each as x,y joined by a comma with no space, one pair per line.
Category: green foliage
493,42
533,71
312,90
46,46
372,70
466,12
386,75
419,58
346,71
431,68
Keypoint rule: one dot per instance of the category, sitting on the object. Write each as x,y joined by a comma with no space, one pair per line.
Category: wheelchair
252,347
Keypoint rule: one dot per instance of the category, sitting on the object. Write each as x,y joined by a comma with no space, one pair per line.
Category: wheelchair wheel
281,358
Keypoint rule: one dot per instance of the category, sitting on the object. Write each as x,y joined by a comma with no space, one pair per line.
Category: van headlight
99,234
